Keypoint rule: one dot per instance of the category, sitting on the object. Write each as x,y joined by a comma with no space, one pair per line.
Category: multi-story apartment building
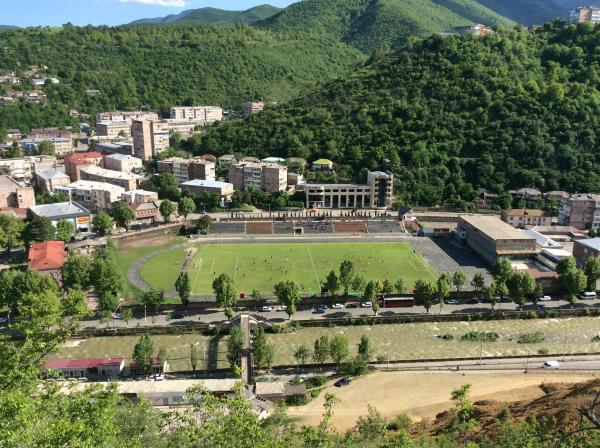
61,145
50,179
185,128
14,194
128,181
124,148
127,116
124,163
114,129
74,162
581,211
149,138
188,169
23,169
584,14
134,197
95,196
382,184
223,189
268,177
253,107
200,114
50,133
522,217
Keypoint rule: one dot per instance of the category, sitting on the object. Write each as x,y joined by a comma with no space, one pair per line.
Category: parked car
343,382
452,302
545,299
159,377
366,305
117,316
266,309
320,309
177,315
352,305
280,308
337,306
551,365
588,295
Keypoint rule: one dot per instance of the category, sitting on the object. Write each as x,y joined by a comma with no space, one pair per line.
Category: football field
260,266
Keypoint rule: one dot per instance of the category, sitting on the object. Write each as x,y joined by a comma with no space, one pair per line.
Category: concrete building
584,14
50,179
322,165
201,114
14,194
268,177
492,238
146,212
581,211
149,138
226,160
253,107
128,181
197,186
121,162
62,146
382,184
276,160
24,169
95,196
73,212
584,249
47,258
187,169
124,148
522,217
42,133
127,116
74,162
113,129
85,367
185,128
134,197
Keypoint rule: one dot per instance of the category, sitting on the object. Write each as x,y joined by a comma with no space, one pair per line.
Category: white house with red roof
85,367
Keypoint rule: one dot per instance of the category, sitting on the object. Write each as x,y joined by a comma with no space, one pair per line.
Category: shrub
355,367
531,315
315,393
402,422
316,381
587,311
295,325
531,338
446,337
381,359
297,400
478,336
596,338
543,351
274,328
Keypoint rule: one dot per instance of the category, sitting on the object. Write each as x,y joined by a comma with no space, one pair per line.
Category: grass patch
531,338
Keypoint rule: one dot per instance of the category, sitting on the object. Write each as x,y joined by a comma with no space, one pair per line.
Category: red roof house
74,162
47,257
84,367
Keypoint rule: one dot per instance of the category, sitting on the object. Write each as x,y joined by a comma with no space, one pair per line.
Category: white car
159,377
545,299
266,309
588,295
117,316
366,305
551,365
337,306
280,308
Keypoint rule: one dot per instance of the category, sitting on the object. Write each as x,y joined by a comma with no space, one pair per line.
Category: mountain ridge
213,16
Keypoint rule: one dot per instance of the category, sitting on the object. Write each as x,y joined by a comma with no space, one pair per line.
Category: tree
338,349
76,272
13,151
73,303
423,292
259,347
443,288
235,343
502,270
501,290
478,282
123,214
107,279
168,188
203,224
538,292
372,427
15,285
142,354
463,421
166,210
127,315
162,355
591,270
387,287
269,355
459,279
358,283
332,282
102,224
570,279
400,286
288,294
302,354
321,350
193,358
46,148
65,230
186,206
183,287
225,293
153,298
38,230
370,294
364,348
346,275
489,293
520,284
10,232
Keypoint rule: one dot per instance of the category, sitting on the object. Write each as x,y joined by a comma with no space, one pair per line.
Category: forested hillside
158,67
214,16
450,115
373,24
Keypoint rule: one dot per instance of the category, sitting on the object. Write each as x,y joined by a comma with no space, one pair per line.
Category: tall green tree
338,349
123,214
459,279
321,350
186,206
153,298
332,283
301,354
591,270
225,293
346,275
10,232
502,270
478,282
400,285
259,347
38,230
183,287
65,230
288,294
166,209
570,279
76,272
102,224
364,348
442,289
235,343
142,354
423,294
521,285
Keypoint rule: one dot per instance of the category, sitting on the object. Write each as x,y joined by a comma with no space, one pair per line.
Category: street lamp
145,315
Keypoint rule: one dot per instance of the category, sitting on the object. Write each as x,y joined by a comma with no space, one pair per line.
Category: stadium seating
350,227
259,228
384,227
228,228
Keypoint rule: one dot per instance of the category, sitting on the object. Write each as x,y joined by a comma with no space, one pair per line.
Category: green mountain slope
214,16
528,12
372,24
449,115
158,67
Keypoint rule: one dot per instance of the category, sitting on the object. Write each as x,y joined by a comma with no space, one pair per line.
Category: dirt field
424,395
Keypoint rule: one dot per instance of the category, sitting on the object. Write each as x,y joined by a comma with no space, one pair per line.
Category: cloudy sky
107,12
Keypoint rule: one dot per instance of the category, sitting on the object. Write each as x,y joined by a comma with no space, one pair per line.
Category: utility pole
565,349
480,351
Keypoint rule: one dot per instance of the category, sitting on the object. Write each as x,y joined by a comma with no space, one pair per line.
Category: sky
107,12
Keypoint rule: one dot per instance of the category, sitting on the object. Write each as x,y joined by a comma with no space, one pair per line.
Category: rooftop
336,186
59,209
91,185
494,227
121,157
109,174
41,139
322,162
206,183
526,212
82,363
8,184
585,197
592,243
53,174
47,255
83,157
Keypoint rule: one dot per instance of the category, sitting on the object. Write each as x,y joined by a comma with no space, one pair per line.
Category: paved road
217,316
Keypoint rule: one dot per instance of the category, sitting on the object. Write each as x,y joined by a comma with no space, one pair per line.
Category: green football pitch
260,266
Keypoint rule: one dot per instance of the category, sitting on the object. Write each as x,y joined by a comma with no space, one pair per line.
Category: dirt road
423,395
